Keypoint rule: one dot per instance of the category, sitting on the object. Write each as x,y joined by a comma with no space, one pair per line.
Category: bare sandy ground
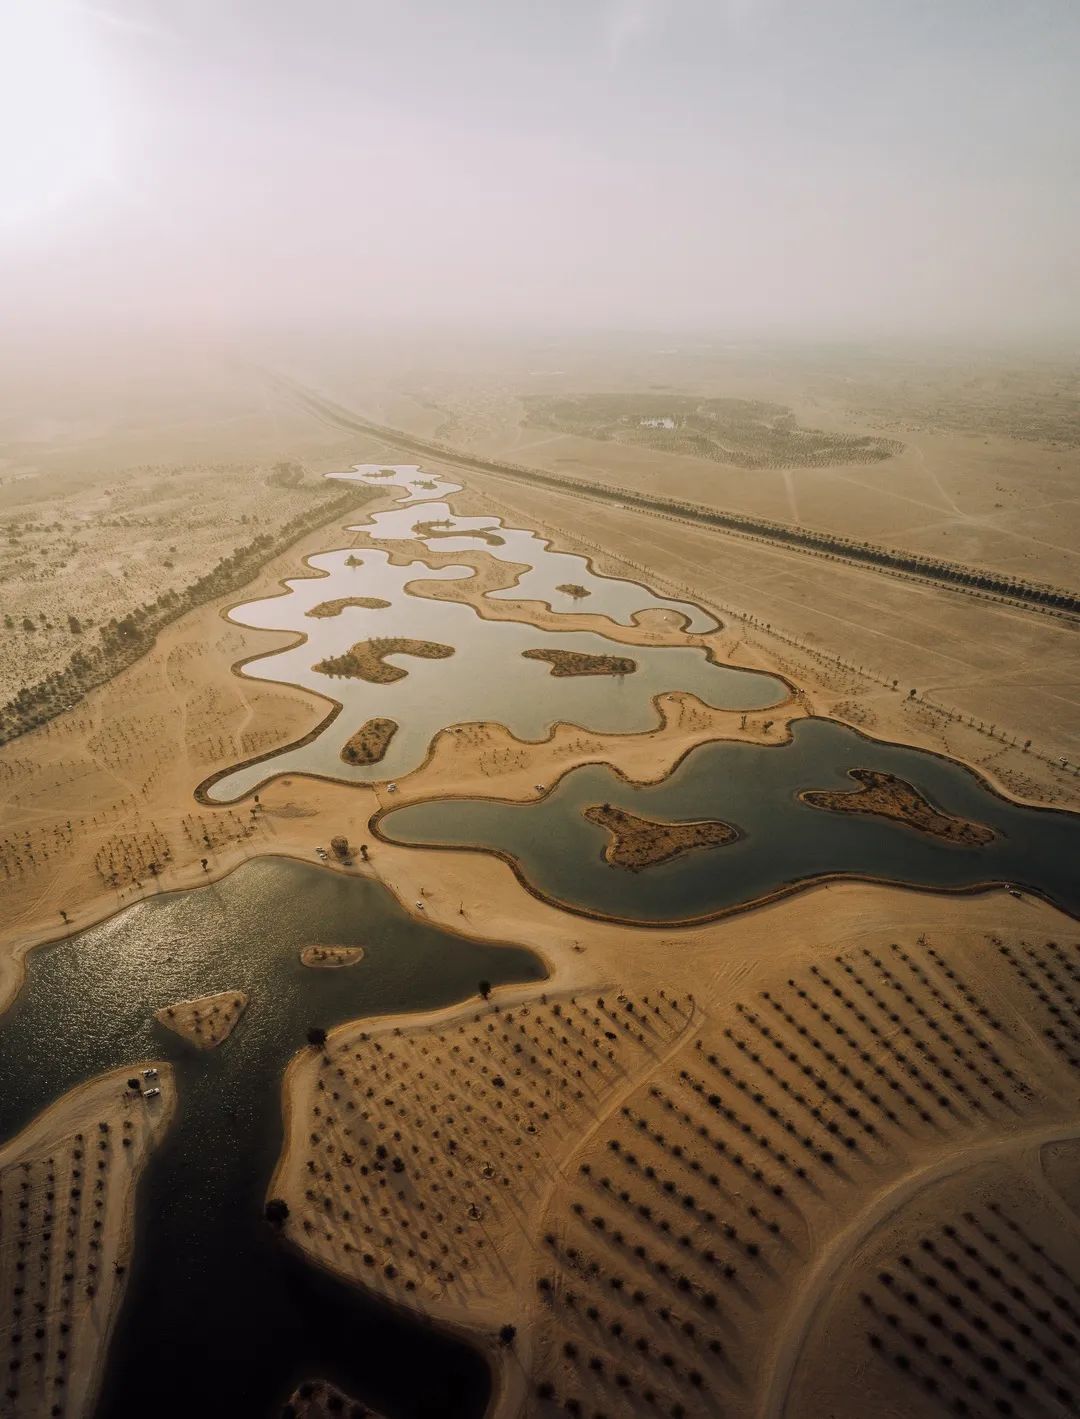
1001,668
744,1136
207,1021
67,1195
97,800
988,475
100,812
130,492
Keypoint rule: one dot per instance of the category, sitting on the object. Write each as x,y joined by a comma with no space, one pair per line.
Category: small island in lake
331,958
335,608
443,527
370,742
577,662
637,843
206,1021
366,659
571,588
886,796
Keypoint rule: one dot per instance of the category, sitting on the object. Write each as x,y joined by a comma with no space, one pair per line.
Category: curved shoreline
795,692
721,913
102,906
65,1113
983,782
481,1341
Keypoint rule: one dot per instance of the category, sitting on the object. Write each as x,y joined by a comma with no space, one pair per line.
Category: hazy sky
808,166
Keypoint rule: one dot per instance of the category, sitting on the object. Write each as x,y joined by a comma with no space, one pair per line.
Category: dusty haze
737,166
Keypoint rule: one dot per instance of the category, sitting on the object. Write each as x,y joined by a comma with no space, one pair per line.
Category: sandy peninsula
729,1119
67,1212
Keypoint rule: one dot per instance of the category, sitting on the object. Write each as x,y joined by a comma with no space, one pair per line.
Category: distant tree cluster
123,640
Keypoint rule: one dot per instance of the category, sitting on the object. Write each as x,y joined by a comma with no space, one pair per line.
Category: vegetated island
637,843
443,527
886,796
331,958
370,742
578,662
574,589
207,1021
366,659
335,608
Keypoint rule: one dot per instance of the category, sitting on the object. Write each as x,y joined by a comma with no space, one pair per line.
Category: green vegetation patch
749,433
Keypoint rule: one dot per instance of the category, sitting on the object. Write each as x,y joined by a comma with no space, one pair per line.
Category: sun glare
56,134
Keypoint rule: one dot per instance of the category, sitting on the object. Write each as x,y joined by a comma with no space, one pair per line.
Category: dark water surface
219,1317
784,841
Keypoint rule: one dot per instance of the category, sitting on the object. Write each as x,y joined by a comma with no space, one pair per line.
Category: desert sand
206,1022
753,1113
67,1212
688,1141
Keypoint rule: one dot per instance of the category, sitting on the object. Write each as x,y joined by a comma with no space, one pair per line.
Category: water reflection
218,1317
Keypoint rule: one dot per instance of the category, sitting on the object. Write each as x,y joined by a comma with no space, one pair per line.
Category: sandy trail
796,1326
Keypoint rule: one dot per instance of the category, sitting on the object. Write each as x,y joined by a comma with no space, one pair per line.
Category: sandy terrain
737,1138
136,490
987,475
67,1195
839,1052
97,798
988,677
207,1021
967,1297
